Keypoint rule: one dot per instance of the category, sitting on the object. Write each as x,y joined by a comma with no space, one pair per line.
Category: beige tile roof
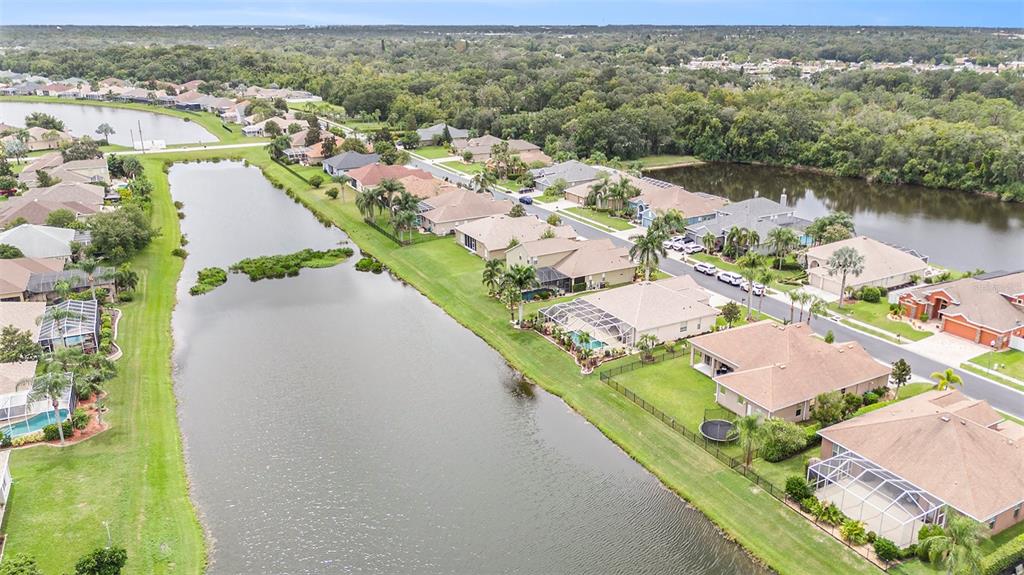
15,273
22,315
11,374
86,194
459,205
938,442
36,211
662,199
495,232
881,261
553,246
426,188
650,305
373,174
595,257
778,366
982,301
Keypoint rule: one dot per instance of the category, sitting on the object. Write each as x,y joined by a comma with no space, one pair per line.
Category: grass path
133,475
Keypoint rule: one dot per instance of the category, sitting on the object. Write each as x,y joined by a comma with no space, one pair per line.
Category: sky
981,13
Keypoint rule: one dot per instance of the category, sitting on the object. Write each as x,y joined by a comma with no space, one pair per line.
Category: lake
956,229
339,422
82,120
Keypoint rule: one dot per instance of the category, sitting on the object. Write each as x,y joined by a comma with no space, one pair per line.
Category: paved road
1000,396
191,149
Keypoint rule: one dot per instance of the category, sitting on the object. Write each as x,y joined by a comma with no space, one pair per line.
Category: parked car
525,200
667,245
758,288
693,249
527,191
679,244
706,269
731,278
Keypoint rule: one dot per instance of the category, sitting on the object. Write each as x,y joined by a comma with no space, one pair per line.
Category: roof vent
945,418
782,366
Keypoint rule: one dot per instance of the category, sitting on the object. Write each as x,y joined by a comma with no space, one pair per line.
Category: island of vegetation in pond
289,265
207,280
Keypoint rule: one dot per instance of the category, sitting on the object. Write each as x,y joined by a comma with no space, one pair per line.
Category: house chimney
757,193
783,198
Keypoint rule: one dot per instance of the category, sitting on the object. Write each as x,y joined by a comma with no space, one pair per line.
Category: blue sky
986,13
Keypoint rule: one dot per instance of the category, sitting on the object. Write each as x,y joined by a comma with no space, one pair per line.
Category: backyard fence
387,233
714,447
643,360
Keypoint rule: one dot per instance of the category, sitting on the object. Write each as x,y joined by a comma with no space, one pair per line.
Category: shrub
1004,557
179,252
50,432
870,294
830,337
886,550
5,440
332,193
929,530
853,531
781,439
798,488
80,418
870,398
316,180
126,296
851,403
872,536
289,265
33,437
810,504
909,551
208,279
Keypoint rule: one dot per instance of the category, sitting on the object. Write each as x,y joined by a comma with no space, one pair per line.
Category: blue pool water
594,344
34,423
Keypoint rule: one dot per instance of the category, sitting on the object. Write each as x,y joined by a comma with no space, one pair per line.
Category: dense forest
617,92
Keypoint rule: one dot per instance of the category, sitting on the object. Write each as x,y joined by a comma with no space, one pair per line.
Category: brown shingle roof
881,261
495,232
650,305
982,301
373,174
463,204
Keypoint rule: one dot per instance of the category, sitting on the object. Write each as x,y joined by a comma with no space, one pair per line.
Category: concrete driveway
948,349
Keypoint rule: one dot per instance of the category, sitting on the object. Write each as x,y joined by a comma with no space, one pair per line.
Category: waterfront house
429,134
37,210
760,215
568,265
572,172
669,309
775,370
423,188
16,381
259,129
306,155
23,315
16,275
986,309
345,162
40,139
480,149
907,464
443,213
885,266
44,242
80,171
80,329
372,175
490,237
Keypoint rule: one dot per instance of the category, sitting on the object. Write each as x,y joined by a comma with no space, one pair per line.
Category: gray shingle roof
351,160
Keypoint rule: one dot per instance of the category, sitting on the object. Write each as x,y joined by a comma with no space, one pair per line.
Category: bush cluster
50,432
80,418
208,279
277,267
781,439
369,264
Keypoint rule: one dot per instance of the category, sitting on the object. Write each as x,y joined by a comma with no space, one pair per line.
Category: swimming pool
594,344
34,423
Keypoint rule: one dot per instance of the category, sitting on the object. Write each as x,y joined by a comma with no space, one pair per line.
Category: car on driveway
706,269
679,244
693,249
526,191
731,278
525,200
757,287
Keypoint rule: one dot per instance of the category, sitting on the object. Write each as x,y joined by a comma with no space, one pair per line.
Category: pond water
82,120
956,229
339,422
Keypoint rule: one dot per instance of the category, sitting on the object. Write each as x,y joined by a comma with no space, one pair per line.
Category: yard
788,273
470,169
668,160
1009,362
433,152
602,218
877,315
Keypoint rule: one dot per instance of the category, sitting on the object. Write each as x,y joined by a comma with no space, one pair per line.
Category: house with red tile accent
986,309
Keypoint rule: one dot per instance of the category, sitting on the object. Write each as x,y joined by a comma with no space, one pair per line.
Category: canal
956,229
340,422
82,120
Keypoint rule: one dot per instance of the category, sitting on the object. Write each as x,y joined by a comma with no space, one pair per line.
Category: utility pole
141,140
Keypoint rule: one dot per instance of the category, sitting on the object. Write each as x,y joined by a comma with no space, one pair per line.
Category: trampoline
718,430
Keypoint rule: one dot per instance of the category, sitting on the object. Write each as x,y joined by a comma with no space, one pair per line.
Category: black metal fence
387,233
643,360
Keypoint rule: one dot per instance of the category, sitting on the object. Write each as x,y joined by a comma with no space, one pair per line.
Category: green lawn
1012,359
777,473
450,276
365,126
433,152
876,314
459,166
546,199
667,160
972,367
133,475
784,274
602,218
510,185
225,133
567,215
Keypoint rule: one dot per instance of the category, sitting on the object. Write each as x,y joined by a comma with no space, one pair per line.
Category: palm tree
646,250
765,278
599,190
90,370
748,429
403,221
752,240
494,270
407,201
817,307
63,289
51,385
750,265
958,547
583,340
483,181
125,278
796,297
782,241
89,266
646,344
366,202
386,190
670,222
845,261
277,146
520,278
105,130
709,241
59,316
947,379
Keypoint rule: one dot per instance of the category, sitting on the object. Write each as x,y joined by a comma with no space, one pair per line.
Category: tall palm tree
765,277
958,547
89,266
845,261
734,238
947,379
796,297
520,278
670,222
366,203
403,221
647,249
816,306
583,340
406,201
599,190
483,181
750,266
494,270
63,289
646,344
386,190
748,429
752,240
709,241
782,241
51,385
125,278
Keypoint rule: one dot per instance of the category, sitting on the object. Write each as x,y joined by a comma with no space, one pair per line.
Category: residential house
306,155
344,162
573,172
986,309
775,370
16,275
441,214
759,215
657,198
423,188
669,309
490,237
371,175
81,327
36,210
40,139
480,149
259,129
77,171
23,315
44,242
568,265
427,135
885,266
907,464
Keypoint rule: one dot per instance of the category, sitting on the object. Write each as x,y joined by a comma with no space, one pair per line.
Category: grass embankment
602,218
668,161
450,277
210,122
133,475
877,315
433,152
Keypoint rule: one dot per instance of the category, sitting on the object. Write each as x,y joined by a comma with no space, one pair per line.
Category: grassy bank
133,475
208,121
450,277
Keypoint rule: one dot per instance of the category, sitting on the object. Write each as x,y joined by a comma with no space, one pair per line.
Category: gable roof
650,305
373,174
22,315
778,366
572,171
761,215
12,374
15,274
495,232
423,188
662,197
36,211
40,241
982,301
881,261
351,160
429,132
461,204
947,444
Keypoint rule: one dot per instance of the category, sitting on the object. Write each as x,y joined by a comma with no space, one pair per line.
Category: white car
679,244
758,288
693,249
731,278
706,269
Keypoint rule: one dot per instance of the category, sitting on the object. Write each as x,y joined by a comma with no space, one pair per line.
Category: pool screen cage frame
17,405
855,474
591,315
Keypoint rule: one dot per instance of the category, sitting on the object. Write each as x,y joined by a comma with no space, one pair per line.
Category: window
1016,511
992,523
843,391
469,242
799,411
740,399
682,328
